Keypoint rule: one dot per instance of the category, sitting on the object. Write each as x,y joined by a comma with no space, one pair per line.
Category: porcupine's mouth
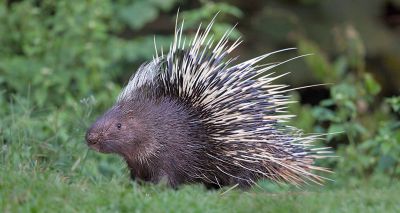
101,146
94,147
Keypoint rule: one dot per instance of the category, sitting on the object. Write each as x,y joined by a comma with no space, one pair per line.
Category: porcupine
190,116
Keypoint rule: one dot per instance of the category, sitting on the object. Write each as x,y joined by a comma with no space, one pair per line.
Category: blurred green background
64,62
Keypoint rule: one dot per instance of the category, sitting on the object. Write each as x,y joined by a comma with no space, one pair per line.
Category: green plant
364,130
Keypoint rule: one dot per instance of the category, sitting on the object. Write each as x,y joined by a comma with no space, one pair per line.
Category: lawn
30,188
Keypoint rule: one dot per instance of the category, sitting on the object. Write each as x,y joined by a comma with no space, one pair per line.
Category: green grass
35,189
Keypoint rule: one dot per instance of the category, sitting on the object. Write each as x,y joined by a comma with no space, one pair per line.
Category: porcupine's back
230,118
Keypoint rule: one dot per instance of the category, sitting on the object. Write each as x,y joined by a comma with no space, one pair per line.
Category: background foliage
63,62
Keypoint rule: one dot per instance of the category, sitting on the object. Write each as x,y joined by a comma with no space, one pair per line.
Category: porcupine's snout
92,138
102,134
94,134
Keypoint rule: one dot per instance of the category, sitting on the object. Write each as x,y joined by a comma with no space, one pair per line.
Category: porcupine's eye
119,126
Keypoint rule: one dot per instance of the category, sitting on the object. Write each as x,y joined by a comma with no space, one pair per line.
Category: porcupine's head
127,128
242,112
114,130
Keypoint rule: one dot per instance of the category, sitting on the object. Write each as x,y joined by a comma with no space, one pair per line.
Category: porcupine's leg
139,178
163,178
139,173
211,186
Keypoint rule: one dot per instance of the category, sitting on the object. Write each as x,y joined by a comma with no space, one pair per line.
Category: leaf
342,92
394,102
371,85
163,4
137,14
386,162
323,114
208,11
334,130
318,63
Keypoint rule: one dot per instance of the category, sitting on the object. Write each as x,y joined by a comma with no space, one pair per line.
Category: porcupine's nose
92,138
